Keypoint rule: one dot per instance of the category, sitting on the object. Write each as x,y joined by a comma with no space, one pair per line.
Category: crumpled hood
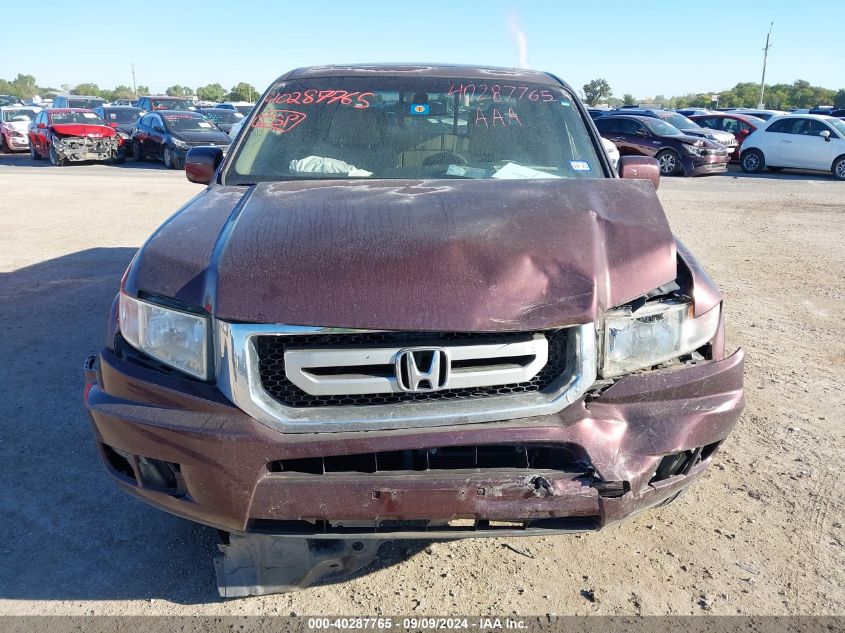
17,126
709,132
82,129
447,255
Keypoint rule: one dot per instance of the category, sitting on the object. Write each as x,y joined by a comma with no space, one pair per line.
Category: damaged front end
559,371
81,148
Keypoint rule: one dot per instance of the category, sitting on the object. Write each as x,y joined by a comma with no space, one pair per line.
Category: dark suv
676,152
77,101
684,124
414,301
150,103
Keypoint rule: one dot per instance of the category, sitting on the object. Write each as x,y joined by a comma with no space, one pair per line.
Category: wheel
32,151
169,161
775,169
752,161
119,158
137,154
669,162
838,168
54,158
4,145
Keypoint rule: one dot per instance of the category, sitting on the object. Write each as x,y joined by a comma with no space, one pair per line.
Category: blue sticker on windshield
420,109
579,165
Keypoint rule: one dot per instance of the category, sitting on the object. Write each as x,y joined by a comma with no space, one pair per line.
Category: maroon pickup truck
414,301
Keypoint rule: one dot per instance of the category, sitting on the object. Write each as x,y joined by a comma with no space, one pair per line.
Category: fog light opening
119,462
158,474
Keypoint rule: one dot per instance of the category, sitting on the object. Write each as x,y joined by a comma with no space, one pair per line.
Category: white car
611,150
799,141
14,123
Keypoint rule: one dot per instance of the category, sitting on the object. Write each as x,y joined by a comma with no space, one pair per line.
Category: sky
644,48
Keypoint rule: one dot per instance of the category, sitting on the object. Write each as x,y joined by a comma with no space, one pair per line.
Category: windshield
171,104
88,118
86,103
837,124
7,100
397,128
679,121
187,123
659,127
224,116
121,116
11,115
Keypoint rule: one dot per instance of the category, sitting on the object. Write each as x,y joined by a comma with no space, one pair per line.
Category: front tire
54,158
4,145
137,154
169,161
838,169
669,162
33,153
752,161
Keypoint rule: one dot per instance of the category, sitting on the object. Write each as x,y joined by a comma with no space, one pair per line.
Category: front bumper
222,475
77,149
708,164
17,142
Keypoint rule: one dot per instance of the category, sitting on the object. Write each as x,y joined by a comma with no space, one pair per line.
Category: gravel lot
762,533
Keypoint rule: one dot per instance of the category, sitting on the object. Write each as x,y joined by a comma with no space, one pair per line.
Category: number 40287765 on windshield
500,92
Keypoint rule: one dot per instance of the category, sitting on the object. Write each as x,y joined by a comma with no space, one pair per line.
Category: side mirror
41,126
825,135
639,168
201,163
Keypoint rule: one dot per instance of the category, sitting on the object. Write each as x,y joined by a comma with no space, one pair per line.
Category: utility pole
761,105
134,87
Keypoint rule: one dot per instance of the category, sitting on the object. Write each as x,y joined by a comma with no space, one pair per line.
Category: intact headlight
653,334
177,339
180,144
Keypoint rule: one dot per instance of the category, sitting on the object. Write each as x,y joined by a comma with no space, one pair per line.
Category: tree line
26,87
799,94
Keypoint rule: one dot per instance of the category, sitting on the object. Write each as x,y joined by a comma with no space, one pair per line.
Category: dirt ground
761,533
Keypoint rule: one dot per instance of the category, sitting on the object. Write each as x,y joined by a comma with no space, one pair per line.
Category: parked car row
165,128
109,133
706,140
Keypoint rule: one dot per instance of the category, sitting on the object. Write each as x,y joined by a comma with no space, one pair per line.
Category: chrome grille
238,369
276,377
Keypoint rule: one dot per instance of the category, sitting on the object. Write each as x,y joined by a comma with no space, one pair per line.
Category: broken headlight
175,338
653,334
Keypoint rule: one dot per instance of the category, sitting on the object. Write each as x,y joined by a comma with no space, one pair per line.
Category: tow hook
542,487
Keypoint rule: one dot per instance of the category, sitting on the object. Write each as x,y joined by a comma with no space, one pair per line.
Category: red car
740,125
72,134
